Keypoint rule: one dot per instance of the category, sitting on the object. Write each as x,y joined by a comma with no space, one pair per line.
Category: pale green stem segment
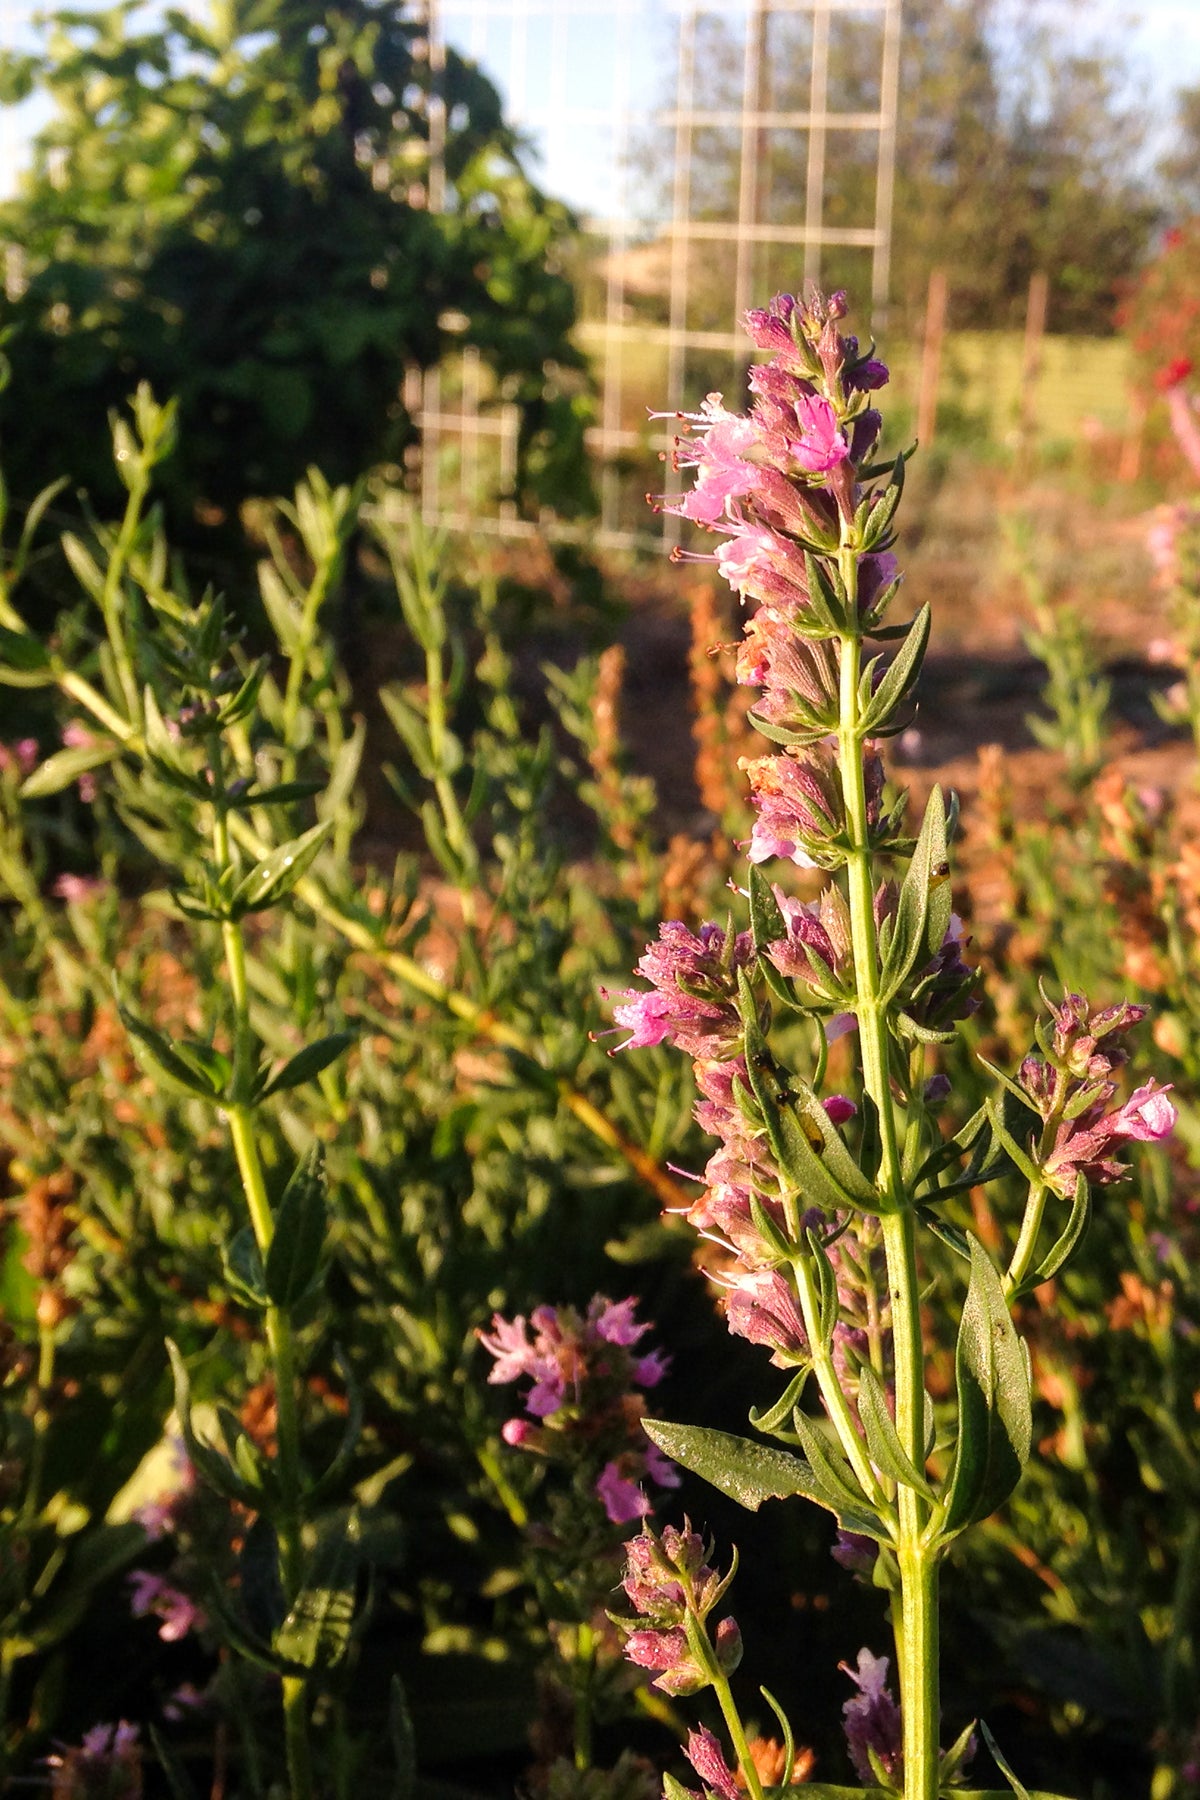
1031,1225
836,1404
917,1633
280,1341
737,1733
585,1665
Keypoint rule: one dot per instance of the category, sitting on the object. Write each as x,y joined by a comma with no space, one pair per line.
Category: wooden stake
931,358
1031,361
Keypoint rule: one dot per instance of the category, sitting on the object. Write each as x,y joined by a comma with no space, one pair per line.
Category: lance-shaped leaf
751,1473
65,766
883,1440
833,1473
769,1419
24,660
210,1465
880,510
995,1424
284,794
317,1630
294,1258
923,908
900,677
180,1068
269,880
243,1267
1072,1237
803,1138
767,923
826,607
307,1064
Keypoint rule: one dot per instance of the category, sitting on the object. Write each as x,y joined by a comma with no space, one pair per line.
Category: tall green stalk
917,1623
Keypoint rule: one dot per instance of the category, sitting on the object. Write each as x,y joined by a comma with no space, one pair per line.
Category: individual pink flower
623,1500
613,1321
706,1757
872,1719
821,445
19,759
1146,1116
76,890
762,1307
693,996
797,803
716,450
152,1595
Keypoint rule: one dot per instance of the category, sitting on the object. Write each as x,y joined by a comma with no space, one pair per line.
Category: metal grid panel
637,109
640,100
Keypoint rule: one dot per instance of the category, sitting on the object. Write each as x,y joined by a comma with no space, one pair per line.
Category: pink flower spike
706,1757
821,446
623,1500
1146,1116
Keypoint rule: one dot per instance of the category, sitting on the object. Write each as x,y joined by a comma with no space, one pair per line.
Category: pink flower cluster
1072,1089
668,1580
108,1761
585,1398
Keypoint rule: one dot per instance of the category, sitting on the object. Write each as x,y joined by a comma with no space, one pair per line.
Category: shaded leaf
995,1425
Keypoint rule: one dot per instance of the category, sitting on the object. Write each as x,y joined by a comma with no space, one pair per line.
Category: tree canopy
236,208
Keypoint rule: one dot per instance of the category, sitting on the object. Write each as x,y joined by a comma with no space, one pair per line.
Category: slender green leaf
170,1065
210,1465
243,1267
902,674
65,766
1073,1235
269,880
995,1424
316,1632
294,1257
751,1473
307,1064
883,1441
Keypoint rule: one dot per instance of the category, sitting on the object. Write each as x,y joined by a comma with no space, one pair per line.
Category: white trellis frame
545,57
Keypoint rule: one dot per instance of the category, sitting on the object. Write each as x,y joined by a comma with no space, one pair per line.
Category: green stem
917,1652
585,1663
1031,1225
834,1399
280,1340
737,1732
295,1725
917,1634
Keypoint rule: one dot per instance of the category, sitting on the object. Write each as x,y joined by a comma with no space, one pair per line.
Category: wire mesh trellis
718,152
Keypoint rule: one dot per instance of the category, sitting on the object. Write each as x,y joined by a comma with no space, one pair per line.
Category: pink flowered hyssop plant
585,1405
818,1198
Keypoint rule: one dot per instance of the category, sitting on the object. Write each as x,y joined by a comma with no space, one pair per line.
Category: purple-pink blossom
762,1307
872,1719
693,998
152,1595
